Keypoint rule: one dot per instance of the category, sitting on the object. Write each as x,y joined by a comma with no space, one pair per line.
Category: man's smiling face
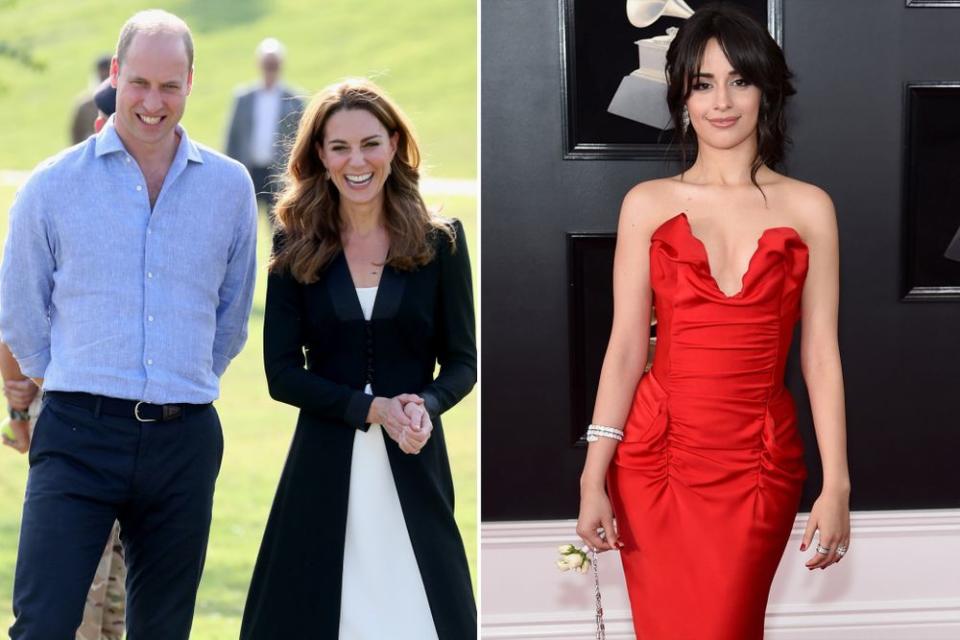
152,83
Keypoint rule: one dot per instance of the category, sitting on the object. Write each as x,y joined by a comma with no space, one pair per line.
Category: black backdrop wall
852,60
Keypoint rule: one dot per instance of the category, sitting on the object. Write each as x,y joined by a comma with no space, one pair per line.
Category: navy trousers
88,469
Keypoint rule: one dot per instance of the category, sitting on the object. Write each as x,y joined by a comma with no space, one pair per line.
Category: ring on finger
823,550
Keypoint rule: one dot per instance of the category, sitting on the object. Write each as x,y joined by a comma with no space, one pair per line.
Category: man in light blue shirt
126,286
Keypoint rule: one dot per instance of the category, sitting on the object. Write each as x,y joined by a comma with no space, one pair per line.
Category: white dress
382,594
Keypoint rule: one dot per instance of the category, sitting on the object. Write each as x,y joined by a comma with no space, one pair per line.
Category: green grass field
424,53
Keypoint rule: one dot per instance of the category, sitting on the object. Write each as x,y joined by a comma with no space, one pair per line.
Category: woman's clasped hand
405,420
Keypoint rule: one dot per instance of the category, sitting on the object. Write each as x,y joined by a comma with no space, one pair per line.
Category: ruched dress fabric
706,483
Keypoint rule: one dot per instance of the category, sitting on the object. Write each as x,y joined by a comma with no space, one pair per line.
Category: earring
685,119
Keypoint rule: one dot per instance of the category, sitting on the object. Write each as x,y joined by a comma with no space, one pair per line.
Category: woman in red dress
706,482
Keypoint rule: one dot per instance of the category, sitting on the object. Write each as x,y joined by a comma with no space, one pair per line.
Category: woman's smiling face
723,106
357,151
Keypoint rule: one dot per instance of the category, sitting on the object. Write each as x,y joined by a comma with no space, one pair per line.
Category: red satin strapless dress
706,483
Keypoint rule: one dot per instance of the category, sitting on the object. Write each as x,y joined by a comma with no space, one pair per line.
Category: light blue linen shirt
100,294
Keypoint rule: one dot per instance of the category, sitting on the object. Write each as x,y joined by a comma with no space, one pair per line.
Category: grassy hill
423,52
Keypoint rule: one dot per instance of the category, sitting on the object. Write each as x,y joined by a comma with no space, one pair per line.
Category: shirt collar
108,141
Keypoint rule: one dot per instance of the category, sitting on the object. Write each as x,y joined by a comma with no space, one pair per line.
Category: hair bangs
752,53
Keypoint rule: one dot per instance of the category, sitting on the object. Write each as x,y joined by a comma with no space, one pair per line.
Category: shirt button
149,232
127,159
149,361
149,274
150,318
139,188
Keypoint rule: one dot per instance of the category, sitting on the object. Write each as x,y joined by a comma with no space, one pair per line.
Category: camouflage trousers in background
103,614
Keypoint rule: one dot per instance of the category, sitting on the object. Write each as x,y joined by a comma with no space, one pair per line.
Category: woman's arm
624,361
822,373
457,354
287,379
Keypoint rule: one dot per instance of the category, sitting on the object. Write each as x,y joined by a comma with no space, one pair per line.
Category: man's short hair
154,21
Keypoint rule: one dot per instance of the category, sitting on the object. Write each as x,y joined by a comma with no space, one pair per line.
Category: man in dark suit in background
263,122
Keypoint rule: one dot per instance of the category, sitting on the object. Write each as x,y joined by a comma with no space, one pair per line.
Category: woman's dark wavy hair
753,53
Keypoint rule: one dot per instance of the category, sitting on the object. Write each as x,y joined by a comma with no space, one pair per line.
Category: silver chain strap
601,630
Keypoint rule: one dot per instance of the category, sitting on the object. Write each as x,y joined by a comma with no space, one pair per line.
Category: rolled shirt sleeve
26,283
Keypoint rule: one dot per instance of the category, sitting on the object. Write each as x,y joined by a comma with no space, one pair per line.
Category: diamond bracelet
597,431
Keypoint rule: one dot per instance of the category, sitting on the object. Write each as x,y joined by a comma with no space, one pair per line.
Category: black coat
419,318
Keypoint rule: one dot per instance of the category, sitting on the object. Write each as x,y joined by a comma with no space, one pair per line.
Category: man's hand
20,393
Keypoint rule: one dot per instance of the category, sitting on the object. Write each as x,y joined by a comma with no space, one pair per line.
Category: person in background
263,122
128,341
106,100
85,111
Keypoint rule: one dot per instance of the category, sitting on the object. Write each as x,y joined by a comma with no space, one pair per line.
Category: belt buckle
136,413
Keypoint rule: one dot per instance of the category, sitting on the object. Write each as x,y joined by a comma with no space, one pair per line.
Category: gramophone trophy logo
642,95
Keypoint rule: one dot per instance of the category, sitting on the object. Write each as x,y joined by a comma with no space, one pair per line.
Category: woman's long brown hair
308,208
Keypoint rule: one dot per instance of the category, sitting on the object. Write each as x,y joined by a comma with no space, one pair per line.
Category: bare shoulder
808,205
647,205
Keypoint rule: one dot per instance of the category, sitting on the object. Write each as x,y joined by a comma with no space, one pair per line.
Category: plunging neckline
367,298
753,256
357,289
359,292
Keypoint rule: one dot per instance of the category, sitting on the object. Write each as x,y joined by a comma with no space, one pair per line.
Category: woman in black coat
369,291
